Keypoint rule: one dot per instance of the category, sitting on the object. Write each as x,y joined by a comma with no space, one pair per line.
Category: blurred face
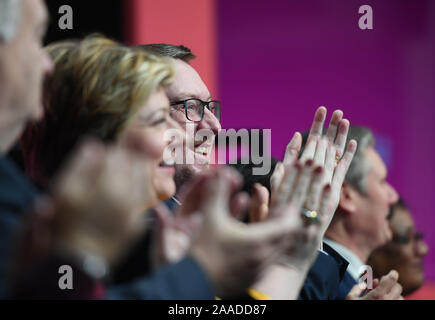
404,253
23,66
373,207
186,85
151,122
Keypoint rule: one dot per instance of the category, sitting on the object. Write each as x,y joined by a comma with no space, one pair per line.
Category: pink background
279,60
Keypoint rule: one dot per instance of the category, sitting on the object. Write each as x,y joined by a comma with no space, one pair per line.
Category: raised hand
235,254
386,289
173,233
326,151
99,200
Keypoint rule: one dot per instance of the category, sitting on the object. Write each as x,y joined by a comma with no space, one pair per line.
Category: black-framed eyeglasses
194,108
405,239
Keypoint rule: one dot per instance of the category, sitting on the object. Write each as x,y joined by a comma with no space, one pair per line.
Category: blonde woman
104,90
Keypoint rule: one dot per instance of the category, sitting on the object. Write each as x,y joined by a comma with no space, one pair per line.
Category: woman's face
151,122
407,250
404,253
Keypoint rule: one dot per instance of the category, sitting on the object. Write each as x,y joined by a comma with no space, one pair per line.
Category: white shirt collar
355,263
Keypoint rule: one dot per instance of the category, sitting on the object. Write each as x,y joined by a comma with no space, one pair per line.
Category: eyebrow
148,117
185,96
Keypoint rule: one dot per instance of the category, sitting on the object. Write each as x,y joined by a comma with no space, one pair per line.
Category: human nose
210,122
393,196
422,248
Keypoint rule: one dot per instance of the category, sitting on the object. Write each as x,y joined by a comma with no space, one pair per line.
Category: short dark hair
169,50
249,178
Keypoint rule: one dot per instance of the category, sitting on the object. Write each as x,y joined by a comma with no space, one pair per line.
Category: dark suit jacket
182,281
345,286
324,278
16,196
43,282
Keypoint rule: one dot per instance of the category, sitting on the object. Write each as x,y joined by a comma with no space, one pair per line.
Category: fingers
333,125
390,283
386,285
286,187
395,293
340,139
319,120
259,206
86,162
356,291
315,133
293,148
276,179
319,155
330,162
192,195
336,137
375,283
325,212
343,165
315,190
217,194
239,205
297,198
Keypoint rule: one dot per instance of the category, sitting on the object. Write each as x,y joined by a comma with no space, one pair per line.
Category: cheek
164,184
153,143
378,197
406,254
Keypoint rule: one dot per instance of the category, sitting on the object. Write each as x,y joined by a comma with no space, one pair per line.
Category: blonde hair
96,89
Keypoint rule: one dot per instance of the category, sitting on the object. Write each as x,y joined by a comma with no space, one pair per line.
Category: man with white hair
360,222
23,65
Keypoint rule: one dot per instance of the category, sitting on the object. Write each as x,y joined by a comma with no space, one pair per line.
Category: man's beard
183,175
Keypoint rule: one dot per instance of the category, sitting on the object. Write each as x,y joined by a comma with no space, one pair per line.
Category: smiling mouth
202,152
168,163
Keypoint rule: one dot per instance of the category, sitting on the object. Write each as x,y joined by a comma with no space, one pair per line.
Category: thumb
356,291
293,148
216,196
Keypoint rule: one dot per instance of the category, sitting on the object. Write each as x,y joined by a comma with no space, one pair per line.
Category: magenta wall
281,59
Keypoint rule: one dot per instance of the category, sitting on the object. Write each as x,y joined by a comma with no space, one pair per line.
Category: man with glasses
192,107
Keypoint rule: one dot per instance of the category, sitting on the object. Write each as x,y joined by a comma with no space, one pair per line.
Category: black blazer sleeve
182,281
324,278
